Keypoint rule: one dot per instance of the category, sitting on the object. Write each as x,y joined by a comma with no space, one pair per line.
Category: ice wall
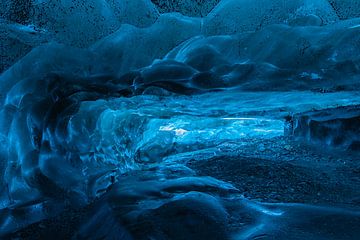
194,8
102,89
172,56
82,23
346,9
232,16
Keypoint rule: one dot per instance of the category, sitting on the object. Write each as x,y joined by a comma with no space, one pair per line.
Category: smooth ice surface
105,106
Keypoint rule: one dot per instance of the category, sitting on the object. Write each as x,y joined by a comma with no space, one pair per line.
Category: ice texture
81,23
131,48
335,127
104,106
346,9
234,16
193,8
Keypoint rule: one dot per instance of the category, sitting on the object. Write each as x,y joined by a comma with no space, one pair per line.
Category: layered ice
108,100
335,127
131,48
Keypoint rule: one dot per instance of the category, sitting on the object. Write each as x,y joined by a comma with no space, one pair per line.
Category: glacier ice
105,105
65,20
346,9
131,48
193,8
233,16
81,23
335,127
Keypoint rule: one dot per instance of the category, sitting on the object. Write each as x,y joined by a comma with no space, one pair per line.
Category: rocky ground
276,170
284,170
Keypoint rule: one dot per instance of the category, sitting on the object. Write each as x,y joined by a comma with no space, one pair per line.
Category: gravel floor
282,170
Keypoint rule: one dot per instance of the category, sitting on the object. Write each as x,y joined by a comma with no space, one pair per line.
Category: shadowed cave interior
183,119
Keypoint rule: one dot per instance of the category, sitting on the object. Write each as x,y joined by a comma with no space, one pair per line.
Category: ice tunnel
182,119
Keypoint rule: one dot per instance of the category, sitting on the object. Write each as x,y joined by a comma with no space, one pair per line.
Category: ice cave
180,119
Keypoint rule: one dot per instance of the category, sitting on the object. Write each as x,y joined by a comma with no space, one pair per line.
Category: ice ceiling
103,103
